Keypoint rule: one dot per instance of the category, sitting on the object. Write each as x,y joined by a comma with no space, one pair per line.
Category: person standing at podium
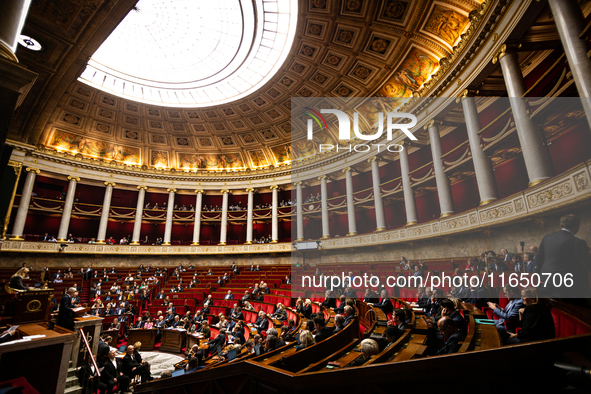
65,316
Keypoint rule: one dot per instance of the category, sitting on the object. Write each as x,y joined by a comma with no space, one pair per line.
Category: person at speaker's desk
16,281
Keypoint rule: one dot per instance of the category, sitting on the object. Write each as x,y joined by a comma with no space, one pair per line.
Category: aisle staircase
72,386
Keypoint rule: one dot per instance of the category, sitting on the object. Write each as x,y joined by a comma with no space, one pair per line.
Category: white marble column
23,205
139,212
350,202
224,223
324,207
377,195
274,214
485,177
249,214
102,231
410,204
12,19
446,203
570,24
535,156
299,212
169,215
197,225
62,233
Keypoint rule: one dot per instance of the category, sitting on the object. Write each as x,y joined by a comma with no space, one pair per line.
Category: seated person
451,335
369,347
112,373
322,331
261,324
280,314
306,339
338,323
16,281
133,367
510,312
391,335
384,304
536,320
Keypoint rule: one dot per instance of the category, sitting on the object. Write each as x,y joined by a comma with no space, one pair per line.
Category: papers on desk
417,309
15,341
12,329
34,336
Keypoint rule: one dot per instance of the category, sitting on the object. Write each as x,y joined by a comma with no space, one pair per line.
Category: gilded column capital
431,123
142,187
467,93
347,169
112,184
298,183
372,159
322,177
225,191
171,190
73,178
274,187
250,189
31,169
504,50
200,191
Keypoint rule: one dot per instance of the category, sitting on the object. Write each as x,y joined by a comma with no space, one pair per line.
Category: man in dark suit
384,304
66,314
88,379
530,265
217,344
262,324
349,314
562,253
451,334
133,367
112,374
229,296
323,332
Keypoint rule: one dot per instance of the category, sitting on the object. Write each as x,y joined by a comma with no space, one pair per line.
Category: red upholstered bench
566,325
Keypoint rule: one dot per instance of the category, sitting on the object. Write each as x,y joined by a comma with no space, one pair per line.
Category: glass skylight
194,53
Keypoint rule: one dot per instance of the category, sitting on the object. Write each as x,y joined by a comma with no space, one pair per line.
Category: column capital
73,178
31,169
298,183
347,169
467,93
112,184
200,191
322,177
504,50
171,190
142,187
431,123
250,189
225,191
372,159
274,187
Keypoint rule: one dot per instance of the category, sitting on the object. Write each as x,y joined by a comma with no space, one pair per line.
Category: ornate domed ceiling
341,49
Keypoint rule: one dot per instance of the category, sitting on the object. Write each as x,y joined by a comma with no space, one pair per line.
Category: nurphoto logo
393,122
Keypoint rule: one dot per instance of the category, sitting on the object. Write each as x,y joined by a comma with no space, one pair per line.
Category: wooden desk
194,339
32,306
146,337
487,337
55,348
172,340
